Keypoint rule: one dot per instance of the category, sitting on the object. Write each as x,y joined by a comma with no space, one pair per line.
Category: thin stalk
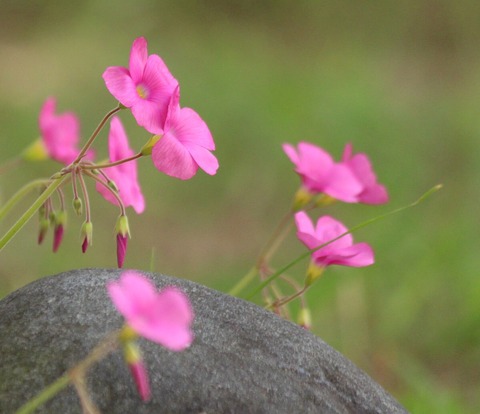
114,193
106,346
20,194
365,223
85,197
57,182
111,164
102,123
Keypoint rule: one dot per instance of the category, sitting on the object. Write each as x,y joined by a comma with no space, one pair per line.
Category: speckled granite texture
243,359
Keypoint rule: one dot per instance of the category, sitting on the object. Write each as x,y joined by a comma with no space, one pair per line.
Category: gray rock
243,360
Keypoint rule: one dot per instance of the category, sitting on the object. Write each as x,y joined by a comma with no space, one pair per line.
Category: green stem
111,164
57,182
355,228
107,345
102,123
45,395
20,194
243,283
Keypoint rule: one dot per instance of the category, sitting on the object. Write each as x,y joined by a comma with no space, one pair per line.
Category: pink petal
189,127
305,230
138,59
291,153
328,228
172,158
204,158
342,184
172,324
120,85
131,294
358,255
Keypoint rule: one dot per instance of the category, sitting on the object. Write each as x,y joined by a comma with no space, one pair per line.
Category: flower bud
77,206
122,230
112,185
44,225
133,358
86,235
304,318
59,221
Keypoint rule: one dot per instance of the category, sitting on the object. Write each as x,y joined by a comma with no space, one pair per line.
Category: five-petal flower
163,317
60,133
145,87
339,252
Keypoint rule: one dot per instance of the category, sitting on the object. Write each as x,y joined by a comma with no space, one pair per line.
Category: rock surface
243,360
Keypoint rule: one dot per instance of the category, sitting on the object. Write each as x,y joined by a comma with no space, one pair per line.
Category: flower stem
365,223
111,164
107,345
114,193
55,183
20,194
102,123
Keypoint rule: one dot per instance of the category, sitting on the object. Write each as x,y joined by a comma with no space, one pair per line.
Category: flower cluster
180,144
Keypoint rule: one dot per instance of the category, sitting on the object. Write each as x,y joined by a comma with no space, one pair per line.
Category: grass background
400,80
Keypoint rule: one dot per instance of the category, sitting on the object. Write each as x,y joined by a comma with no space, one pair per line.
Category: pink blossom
164,317
124,175
145,87
185,143
320,174
340,252
359,164
60,133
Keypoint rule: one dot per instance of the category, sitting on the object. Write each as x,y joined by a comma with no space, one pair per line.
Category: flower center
142,91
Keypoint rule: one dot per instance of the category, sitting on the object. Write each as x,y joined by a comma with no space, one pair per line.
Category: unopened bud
78,206
44,225
112,185
133,358
122,230
305,318
60,221
86,235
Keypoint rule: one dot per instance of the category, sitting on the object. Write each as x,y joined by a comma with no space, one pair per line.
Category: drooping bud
313,273
60,220
86,235
77,206
122,229
133,358
112,185
44,225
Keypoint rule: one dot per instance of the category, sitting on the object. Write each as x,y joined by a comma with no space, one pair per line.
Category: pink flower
340,252
124,175
359,164
185,143
163,317
60,133
145,87
320,174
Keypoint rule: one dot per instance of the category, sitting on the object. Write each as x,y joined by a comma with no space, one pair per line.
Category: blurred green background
400,80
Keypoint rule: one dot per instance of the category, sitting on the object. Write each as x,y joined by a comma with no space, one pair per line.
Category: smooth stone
243,359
